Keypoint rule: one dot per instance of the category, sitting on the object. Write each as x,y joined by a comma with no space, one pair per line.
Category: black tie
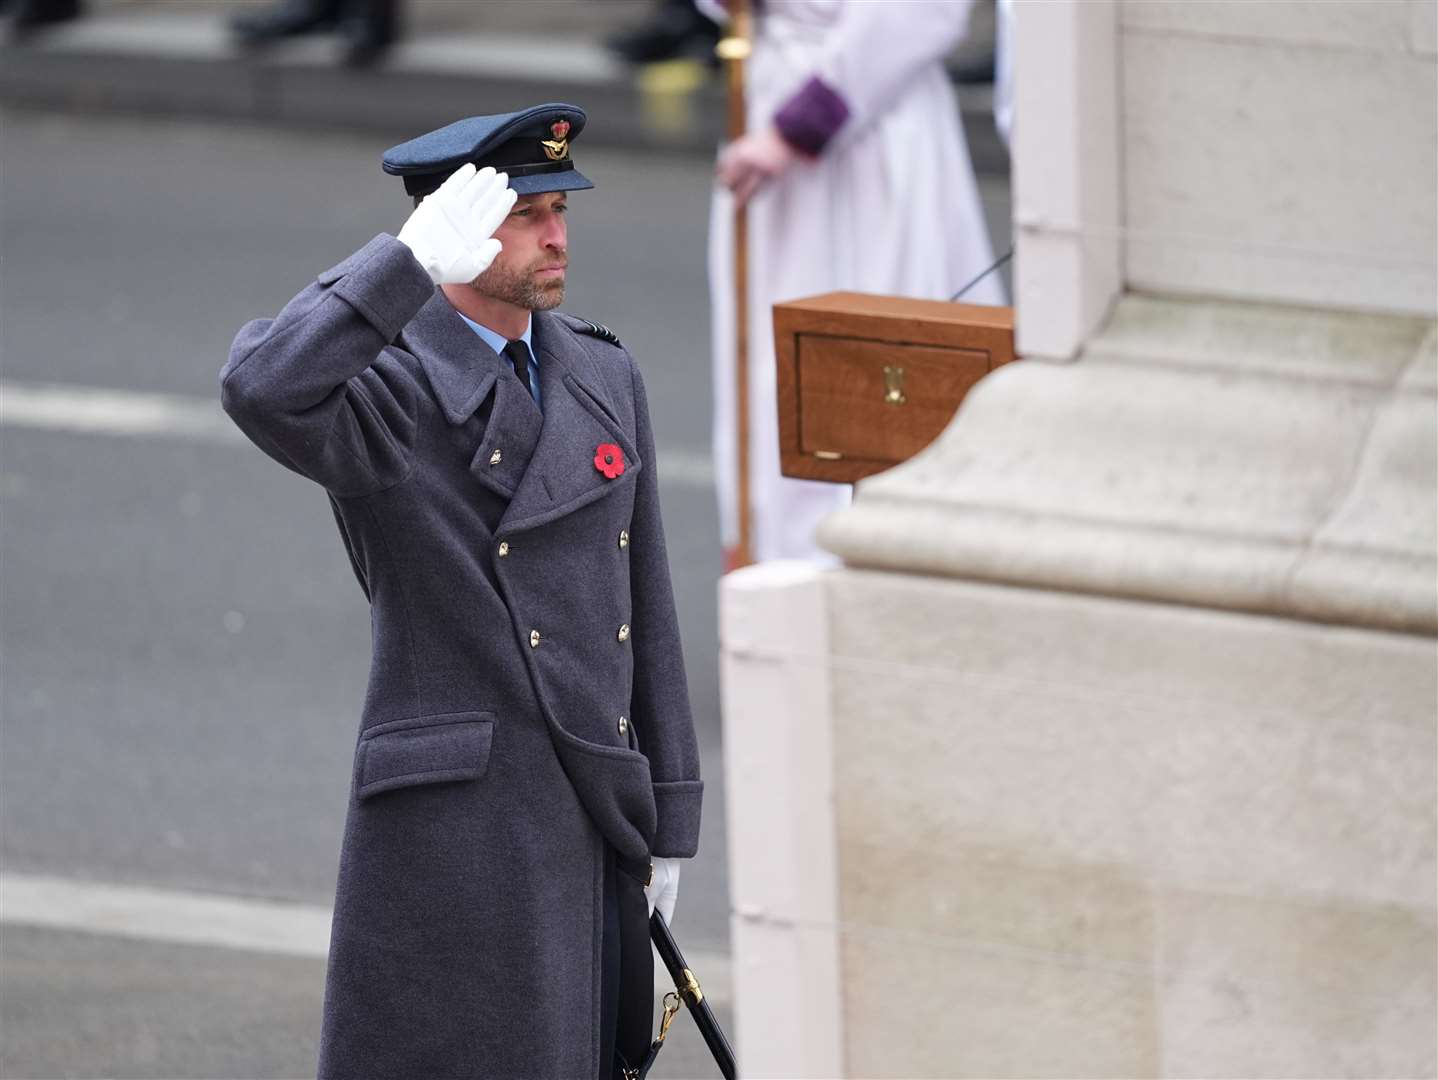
518,353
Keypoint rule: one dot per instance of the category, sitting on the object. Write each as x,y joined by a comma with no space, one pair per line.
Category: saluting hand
452,231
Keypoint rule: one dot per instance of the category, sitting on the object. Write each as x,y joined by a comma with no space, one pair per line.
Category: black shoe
675,30
369,34
974,69
33,14
365,47
291,18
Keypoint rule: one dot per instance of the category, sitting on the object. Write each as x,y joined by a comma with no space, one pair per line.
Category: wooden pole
734,50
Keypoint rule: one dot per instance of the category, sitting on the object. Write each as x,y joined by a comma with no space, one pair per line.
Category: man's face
529,272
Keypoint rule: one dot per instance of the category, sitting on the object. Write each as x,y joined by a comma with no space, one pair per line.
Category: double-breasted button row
534,635
504,545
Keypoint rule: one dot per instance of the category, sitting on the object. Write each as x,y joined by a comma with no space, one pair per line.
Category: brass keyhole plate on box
894,386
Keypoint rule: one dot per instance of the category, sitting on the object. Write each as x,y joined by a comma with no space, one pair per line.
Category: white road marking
276,927
150,914
92,410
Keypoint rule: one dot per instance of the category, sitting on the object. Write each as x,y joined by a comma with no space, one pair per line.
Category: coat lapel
561,475
462,369
459,365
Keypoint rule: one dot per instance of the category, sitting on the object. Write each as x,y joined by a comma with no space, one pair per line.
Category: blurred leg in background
369,27
674,29
258,27
33,14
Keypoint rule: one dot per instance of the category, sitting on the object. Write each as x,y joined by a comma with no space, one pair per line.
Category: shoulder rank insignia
599,330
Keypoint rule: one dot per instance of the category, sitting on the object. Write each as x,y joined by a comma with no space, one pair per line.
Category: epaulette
599,330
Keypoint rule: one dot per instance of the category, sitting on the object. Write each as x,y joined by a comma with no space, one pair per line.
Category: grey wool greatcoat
526,700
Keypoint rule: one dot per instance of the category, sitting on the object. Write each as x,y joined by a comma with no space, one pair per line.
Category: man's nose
554,234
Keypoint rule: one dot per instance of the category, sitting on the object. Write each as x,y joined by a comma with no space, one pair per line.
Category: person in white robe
1004,70
857,176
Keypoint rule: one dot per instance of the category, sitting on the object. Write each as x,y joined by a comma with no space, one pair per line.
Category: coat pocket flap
424,750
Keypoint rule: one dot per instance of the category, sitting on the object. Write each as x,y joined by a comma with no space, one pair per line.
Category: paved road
184,649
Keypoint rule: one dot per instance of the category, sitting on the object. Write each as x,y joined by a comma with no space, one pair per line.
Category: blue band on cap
532,145
541,167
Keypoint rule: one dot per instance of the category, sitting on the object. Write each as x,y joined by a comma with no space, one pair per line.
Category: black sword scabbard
692,994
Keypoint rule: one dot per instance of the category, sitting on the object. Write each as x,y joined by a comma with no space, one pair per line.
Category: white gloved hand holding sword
663,888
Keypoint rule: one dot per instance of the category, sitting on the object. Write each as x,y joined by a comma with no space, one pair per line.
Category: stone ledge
1250,457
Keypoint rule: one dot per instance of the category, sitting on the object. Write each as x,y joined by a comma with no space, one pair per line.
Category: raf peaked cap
531,145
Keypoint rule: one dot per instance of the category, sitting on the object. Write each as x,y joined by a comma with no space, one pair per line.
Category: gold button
623,725
624,632
534,639
623,538
503,548
495,458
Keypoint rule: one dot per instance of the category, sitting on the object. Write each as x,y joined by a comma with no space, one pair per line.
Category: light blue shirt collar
497,342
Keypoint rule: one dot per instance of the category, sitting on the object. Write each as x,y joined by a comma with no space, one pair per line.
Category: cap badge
556,148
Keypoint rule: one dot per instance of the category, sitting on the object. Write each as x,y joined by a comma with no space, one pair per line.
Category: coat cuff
677,803
812,116
384,282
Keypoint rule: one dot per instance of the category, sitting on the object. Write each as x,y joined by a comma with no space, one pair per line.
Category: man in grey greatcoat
526,752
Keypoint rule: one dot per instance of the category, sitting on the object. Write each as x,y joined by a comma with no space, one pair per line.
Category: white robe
891,206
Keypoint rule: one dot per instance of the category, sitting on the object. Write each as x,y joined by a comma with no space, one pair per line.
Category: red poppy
609,460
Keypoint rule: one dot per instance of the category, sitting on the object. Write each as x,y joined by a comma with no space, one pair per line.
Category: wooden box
867,381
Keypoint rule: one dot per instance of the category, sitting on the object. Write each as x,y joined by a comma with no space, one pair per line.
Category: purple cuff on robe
811,117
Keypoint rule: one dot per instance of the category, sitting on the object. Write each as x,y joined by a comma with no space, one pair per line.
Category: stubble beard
519,288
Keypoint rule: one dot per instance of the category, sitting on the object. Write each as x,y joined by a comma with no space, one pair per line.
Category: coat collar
560,476
578,418
459,365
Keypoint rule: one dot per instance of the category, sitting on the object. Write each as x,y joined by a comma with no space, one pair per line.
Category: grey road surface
183,650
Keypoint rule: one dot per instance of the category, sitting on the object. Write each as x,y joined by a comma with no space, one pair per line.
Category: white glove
452,232
663,888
